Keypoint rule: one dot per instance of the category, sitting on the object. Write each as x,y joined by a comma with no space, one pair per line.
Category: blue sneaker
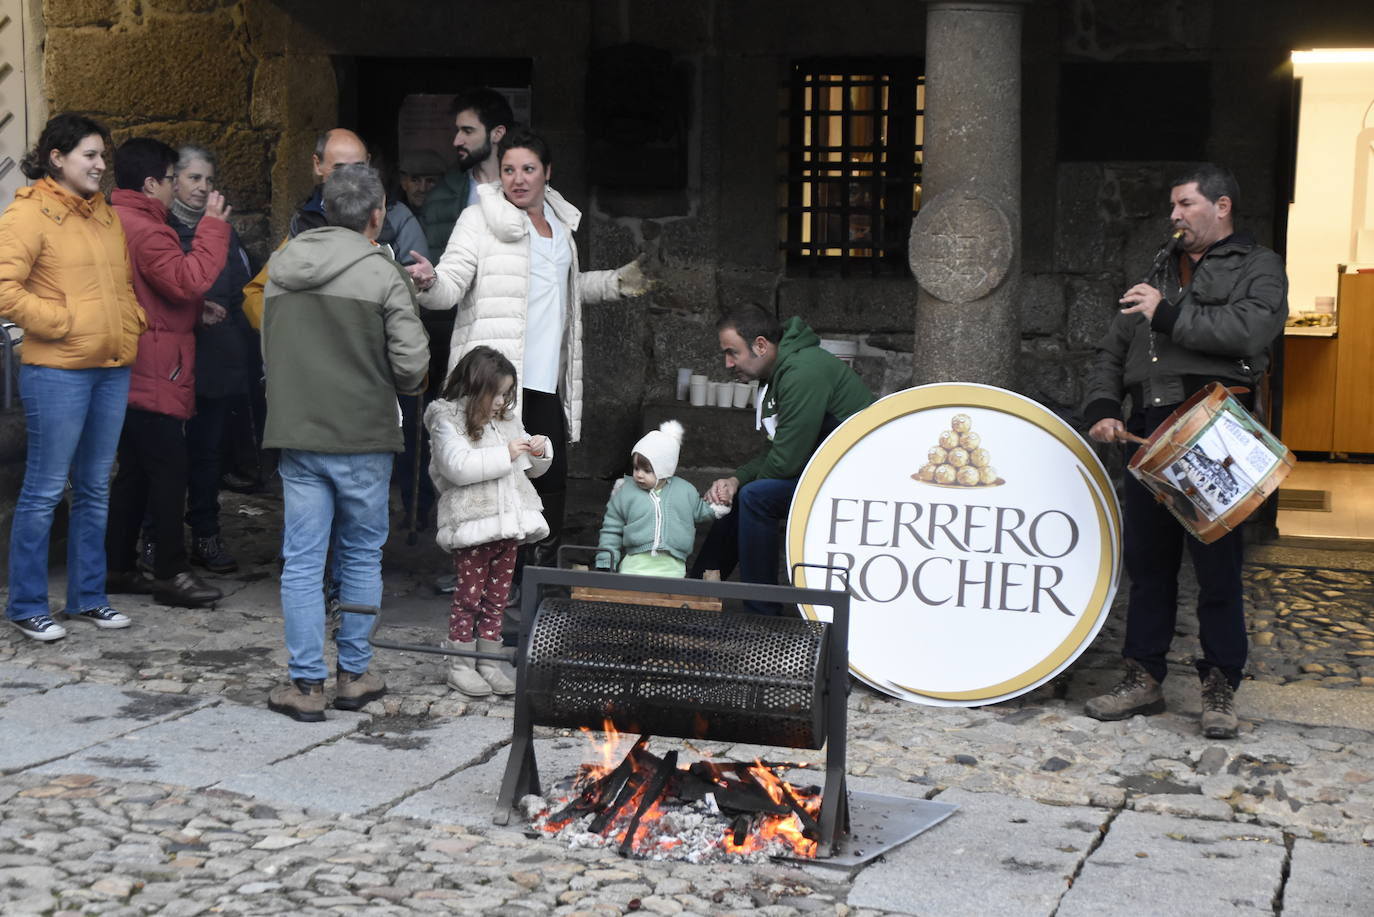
41,627
104,617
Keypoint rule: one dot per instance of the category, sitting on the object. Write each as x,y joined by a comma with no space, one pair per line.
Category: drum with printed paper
1212,463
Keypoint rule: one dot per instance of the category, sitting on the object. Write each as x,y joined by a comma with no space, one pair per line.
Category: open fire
648,806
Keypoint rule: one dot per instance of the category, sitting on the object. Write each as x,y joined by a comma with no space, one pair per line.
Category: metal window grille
853,134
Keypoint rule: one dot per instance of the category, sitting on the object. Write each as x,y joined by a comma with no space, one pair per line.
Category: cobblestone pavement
141,774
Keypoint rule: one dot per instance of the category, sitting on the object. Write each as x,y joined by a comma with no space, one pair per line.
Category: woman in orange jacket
65,279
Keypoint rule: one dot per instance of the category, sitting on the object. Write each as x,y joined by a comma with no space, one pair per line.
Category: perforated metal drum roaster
680,672
664,671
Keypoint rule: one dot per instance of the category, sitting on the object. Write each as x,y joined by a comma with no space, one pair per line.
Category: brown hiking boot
1218,707
1137,692
298,699
355,691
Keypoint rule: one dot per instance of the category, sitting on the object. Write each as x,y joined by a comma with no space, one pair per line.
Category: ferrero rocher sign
980,537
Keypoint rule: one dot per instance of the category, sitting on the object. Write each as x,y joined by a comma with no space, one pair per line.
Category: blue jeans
74,417
345,494
749,535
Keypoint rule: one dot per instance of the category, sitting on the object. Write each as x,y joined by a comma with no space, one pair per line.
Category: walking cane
412,536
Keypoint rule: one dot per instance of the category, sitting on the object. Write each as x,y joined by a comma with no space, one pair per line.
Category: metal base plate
877,824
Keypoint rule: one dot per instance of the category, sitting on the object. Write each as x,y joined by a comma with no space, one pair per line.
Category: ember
649,807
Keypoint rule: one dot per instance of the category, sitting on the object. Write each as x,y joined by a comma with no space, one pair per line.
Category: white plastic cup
725,394
684,384
754,393
741,394
697,387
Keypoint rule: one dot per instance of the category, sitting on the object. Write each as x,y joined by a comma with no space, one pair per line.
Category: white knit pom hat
661,448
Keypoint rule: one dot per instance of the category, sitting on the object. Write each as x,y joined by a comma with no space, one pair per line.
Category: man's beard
472,157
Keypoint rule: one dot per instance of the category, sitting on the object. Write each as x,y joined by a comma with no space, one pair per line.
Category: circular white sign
980,537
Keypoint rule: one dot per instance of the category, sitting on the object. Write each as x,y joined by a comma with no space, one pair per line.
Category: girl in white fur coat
481,460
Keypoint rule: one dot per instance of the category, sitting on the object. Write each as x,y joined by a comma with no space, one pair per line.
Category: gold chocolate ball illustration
944,474
979,458
949,439
957,457
927,472
970,441
961,423
987,474
968,476
937,455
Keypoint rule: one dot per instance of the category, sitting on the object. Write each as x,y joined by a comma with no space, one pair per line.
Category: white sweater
485,271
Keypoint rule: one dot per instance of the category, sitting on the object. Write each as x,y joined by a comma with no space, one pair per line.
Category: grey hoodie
341,336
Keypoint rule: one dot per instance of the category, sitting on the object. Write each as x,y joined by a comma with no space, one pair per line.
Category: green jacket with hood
341,336
810,393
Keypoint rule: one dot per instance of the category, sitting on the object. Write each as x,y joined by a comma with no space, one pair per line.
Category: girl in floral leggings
481,460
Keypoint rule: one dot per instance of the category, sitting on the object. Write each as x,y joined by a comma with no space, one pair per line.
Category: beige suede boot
462,672
491,671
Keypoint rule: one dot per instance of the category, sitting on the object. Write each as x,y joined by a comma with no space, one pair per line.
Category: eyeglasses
167,178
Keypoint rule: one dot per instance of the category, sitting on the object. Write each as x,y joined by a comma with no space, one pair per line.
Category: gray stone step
996,855
1166,866
205,747
39,727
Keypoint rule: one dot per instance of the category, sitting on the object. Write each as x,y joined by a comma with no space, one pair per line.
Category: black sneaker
104,617
209,553
41,627
185,589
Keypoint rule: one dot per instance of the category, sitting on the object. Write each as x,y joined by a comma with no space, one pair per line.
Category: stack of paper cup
684,384
697,387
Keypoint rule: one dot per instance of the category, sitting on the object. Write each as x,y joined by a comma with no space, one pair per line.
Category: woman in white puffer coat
511,268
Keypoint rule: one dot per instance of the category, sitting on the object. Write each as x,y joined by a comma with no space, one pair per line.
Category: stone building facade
257,79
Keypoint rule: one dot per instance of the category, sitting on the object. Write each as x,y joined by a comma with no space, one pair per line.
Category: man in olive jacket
806,393
1221,303
341,338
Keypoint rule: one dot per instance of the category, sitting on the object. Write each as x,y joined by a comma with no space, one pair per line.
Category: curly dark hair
477,377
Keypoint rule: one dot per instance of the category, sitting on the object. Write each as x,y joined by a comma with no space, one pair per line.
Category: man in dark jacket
1219,306
226,361
341,337
806,393
401,231
170,285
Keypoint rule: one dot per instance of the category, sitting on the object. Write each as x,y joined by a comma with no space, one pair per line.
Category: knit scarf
186,214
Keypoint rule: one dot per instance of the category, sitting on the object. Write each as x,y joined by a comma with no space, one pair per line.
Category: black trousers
204,432
542,415
151,478
1154,543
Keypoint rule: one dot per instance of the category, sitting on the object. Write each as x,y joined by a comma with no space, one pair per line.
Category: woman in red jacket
64,278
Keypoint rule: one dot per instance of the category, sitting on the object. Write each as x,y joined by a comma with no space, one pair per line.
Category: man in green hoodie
341,338
805,393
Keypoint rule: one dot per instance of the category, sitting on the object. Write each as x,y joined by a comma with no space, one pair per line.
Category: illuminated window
852,135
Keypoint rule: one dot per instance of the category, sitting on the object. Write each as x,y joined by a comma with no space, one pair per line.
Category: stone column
966,240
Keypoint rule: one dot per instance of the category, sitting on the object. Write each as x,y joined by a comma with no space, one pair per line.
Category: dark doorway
372,91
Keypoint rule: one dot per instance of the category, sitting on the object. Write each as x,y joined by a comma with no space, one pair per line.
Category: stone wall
255,80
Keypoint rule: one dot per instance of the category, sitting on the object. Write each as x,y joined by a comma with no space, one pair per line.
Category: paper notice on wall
425,120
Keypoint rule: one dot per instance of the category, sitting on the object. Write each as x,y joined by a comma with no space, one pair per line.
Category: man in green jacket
805,393
341,338
481,118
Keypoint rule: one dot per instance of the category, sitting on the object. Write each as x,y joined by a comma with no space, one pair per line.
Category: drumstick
1131,437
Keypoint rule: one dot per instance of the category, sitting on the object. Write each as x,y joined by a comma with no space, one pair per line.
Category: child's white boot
462,671
491,671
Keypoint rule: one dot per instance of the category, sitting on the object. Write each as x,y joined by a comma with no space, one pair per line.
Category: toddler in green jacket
651,519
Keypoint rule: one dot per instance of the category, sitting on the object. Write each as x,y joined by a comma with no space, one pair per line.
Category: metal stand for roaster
522,771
